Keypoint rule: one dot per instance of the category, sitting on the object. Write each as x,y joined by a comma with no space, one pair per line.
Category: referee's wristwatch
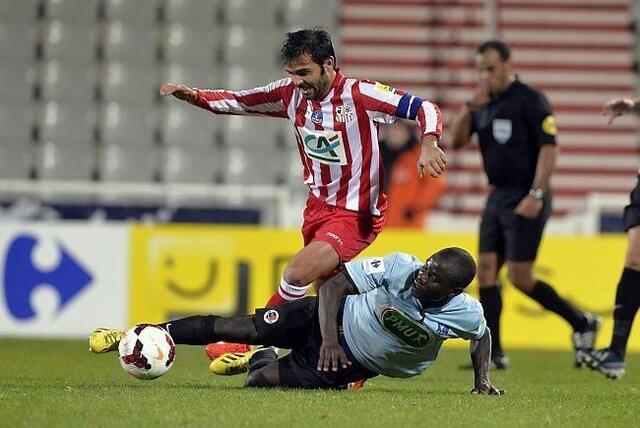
536,193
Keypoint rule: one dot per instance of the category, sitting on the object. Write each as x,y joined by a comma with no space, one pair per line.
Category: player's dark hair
497,45
314,42
455,266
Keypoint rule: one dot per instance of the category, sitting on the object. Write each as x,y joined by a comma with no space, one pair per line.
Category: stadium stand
79,99
579,53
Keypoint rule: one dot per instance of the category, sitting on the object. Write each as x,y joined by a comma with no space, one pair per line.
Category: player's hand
432,159
479,97
529,207
332,357
617,107
487,389
179,91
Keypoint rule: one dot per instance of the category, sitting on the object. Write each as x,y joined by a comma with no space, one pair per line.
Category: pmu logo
21,277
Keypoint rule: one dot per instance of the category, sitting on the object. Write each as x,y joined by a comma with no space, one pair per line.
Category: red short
348,232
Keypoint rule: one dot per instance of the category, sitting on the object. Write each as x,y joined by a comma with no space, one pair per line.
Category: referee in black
517,135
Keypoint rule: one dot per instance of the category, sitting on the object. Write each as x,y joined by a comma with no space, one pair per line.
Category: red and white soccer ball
146,351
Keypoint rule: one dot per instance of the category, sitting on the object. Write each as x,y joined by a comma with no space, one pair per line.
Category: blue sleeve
370,273
464,320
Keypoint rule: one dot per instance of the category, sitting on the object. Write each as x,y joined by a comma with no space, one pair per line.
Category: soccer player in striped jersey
335,119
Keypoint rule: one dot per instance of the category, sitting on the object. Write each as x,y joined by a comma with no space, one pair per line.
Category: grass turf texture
60,383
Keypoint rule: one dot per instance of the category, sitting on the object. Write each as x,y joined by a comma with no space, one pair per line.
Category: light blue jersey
388,330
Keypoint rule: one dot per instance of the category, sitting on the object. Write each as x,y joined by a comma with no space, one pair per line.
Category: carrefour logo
22,277
324,146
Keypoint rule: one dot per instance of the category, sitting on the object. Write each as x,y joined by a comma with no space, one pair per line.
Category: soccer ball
146,351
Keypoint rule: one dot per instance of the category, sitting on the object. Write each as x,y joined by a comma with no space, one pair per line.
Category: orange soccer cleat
214,350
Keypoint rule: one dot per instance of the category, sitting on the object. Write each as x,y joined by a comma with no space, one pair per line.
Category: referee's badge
501,130
271,316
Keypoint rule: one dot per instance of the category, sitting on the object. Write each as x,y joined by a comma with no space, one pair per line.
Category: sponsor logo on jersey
271,316
501,130
549,125
442,330
405,329
374,265
382,87
324,146
344,114
317,117
22,277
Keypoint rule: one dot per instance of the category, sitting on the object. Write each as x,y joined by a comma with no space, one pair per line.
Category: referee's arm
461,128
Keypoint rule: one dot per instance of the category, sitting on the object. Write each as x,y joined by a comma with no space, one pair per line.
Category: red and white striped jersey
337,136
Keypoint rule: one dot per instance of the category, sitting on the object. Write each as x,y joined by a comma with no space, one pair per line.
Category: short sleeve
370,273
539,118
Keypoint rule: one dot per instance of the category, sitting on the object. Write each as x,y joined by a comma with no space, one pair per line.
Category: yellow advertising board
179,270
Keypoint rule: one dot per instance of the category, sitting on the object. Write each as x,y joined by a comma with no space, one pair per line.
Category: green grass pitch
60,383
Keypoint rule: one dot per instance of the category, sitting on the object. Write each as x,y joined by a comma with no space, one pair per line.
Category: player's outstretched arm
179,91
480,357
332,356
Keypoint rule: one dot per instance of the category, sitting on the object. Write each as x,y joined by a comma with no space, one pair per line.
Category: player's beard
316,90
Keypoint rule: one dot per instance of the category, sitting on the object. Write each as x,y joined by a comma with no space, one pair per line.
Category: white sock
291,292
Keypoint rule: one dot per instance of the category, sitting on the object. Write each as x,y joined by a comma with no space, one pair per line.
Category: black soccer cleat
606,361
584,341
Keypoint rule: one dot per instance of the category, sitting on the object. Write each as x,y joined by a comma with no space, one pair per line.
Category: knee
521,278
486,274
632,260
257,379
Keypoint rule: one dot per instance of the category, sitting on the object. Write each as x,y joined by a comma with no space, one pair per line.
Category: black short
632,211
508,234
295,326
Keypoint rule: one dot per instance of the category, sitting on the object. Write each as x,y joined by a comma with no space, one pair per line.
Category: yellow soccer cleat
233,363
105,340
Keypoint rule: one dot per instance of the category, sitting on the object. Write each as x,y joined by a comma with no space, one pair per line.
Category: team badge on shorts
271,316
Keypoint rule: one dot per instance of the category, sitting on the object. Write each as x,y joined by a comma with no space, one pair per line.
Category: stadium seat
123,124
255,165
238,77
191,46
260,132
135,85
205,77
19,12
192,12
72,11
16,159
73,42
251,47
309,13
66,160
130,44
17,41
126,162
191,164
184,125
68,82
61,123
17,79
16,122
251,13
142,13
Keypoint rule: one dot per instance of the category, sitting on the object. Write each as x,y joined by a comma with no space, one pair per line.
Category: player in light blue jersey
380,316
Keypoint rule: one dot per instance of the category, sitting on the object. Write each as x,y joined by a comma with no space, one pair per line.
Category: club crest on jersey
344,114
501,130
317,117
323,146
405,329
